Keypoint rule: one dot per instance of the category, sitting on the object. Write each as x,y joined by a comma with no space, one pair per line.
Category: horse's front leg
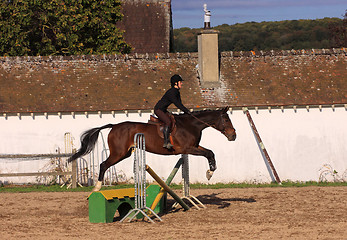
201,151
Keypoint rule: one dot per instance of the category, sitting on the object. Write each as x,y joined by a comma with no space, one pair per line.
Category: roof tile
137,81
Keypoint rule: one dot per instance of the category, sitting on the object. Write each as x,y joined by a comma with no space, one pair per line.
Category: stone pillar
208,58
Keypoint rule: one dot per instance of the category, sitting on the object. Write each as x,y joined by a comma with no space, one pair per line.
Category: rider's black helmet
175,78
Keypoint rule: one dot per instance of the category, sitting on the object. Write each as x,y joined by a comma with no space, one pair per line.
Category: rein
209,124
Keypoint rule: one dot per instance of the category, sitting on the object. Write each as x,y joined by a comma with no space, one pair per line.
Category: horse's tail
88,140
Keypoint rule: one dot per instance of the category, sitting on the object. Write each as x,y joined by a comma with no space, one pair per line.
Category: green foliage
268,185
54,188
56,27
283,35
185,40
339,32
57,188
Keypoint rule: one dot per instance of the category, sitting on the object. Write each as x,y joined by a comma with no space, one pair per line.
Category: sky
190,13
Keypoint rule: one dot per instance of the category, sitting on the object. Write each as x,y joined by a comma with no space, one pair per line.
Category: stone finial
207,17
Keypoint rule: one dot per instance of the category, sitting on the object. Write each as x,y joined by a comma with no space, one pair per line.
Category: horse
185,139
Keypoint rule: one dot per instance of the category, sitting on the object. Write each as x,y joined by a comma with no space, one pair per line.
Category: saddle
160,125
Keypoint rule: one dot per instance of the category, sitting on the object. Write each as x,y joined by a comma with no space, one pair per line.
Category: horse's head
225,126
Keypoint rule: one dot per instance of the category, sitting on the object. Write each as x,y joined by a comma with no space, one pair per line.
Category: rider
171,96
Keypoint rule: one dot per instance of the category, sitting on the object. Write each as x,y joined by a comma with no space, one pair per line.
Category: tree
185,40
282,35
339,32
56,27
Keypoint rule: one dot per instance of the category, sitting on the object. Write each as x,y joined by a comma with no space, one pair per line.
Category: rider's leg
164,117
166,133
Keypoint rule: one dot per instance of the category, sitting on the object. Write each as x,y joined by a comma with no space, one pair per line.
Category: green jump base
103,205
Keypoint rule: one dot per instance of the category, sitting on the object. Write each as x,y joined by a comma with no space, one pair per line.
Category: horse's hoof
209,174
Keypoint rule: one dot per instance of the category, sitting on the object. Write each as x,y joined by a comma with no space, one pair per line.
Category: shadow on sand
213,199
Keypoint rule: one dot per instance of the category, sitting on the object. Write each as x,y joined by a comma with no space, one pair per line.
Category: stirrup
168,146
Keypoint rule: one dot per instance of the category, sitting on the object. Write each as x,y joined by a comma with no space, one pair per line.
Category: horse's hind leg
110,161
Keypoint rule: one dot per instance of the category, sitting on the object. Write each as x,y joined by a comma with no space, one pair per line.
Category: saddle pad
155,121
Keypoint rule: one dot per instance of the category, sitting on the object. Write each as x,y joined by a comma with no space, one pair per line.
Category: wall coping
158,56
140,111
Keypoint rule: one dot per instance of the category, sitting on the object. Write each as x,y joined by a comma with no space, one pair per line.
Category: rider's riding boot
166,132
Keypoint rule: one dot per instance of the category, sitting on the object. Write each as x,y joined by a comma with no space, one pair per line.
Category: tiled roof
105,83
286,77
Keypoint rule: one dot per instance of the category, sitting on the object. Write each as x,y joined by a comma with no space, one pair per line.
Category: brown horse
185,140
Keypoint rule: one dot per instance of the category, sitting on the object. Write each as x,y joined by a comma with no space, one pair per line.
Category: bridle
212,126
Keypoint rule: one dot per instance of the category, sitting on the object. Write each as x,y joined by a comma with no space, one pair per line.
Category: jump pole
140,180
184,161
261,144
168,182
166,187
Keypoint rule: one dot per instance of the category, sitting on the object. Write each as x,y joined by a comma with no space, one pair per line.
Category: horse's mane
195,113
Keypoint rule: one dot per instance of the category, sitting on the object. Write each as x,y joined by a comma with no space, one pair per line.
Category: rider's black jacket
171,96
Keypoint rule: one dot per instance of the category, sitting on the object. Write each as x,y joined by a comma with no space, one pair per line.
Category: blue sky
189,13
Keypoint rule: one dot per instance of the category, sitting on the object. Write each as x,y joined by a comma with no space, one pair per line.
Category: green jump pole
166,187
168,181
174,171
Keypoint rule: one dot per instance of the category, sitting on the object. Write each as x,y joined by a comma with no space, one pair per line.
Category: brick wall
147,25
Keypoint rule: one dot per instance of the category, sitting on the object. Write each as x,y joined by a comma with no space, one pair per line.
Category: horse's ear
225,109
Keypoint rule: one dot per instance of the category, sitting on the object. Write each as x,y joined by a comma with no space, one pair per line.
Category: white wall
299,143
